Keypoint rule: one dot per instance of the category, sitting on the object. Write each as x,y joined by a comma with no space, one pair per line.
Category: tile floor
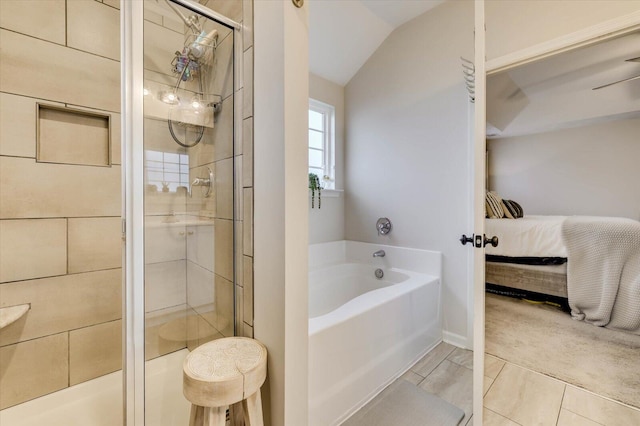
513,395
446,371
548,401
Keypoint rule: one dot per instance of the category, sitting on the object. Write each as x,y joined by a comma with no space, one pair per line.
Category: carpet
545,339
404,404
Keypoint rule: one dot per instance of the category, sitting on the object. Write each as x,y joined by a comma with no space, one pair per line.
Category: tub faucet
379,253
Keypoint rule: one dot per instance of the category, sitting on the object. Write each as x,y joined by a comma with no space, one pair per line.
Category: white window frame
329,125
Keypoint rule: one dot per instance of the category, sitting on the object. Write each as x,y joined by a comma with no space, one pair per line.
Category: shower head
197,48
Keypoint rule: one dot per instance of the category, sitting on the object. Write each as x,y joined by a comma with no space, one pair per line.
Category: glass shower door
188,143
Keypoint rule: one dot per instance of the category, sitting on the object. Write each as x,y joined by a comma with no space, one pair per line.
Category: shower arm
191,23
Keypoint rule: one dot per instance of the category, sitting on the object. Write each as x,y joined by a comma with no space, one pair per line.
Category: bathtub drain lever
379,253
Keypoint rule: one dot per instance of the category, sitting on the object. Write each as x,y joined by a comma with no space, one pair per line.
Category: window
167,170
321,142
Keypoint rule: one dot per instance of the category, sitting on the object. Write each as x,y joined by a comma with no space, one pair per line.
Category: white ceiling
556,92
344,33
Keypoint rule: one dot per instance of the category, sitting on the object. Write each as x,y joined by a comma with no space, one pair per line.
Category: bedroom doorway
561,134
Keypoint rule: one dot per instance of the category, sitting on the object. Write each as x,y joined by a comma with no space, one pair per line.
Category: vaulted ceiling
344,33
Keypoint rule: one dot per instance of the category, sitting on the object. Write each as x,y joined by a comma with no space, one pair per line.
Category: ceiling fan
622,81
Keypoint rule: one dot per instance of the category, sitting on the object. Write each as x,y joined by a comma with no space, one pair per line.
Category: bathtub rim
372,299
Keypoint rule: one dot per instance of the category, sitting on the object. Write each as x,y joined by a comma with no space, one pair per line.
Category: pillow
513,208
493,204
508,214
519,211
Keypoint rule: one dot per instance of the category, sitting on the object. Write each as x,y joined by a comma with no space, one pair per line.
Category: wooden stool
224,372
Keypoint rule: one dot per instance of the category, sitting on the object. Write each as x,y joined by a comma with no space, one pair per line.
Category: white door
479,181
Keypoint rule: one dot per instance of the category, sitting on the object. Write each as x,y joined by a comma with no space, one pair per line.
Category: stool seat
224,372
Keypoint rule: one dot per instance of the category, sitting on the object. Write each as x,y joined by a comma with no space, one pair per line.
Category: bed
592,262
530,256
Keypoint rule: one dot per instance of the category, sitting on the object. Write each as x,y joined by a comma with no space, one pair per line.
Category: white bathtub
365,332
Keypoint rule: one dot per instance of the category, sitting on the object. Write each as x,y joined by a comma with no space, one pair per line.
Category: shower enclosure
117,254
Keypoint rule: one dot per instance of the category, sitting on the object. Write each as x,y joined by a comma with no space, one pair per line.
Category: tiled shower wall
60,223
60,244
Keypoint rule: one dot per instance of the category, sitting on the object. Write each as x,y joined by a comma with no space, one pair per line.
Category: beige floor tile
525,397
431,360
490,418
412,377
598,409
568,418
463,357
32,248
453,383
486,384
492,366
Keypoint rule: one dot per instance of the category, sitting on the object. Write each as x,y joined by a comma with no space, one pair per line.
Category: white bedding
530,236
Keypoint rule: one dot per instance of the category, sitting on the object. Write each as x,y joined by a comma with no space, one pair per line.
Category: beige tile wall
34,368
38,190
18,130
72,331
94,244
32,249
91,351
93,28
245,191
62,303
60,245
73,137
41,69
44,20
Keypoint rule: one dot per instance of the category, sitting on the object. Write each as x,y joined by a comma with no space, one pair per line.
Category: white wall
327,223
591,170
515,25
281,89
408,147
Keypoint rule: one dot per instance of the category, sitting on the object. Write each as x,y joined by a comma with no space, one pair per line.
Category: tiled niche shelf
72,136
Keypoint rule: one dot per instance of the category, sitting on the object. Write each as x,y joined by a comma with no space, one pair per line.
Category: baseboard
455,340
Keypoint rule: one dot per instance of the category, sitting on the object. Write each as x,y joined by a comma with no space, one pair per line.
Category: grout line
584,417
511,420
561,403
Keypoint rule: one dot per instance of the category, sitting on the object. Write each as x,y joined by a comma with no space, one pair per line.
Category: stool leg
253,410
236,414
215,416
197,415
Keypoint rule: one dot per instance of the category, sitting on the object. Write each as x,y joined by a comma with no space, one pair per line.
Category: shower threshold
98,402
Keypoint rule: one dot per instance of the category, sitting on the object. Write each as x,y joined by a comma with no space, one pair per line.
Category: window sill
330,193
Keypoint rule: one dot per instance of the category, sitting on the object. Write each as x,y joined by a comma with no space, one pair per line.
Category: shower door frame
132,133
